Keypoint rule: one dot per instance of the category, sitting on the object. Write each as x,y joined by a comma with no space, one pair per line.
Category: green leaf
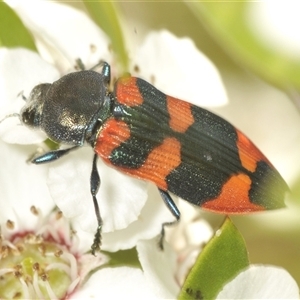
221,260
13,33
105,15
123,258
227,23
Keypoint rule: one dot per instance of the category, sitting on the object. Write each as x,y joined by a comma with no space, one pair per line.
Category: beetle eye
32,111
28,117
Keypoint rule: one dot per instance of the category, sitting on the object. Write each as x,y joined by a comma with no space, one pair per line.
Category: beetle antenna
9,116
22,95
79,64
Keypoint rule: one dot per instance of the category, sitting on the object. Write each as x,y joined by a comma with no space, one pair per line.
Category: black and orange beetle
181,148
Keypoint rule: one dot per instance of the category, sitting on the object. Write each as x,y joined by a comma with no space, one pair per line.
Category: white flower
261,282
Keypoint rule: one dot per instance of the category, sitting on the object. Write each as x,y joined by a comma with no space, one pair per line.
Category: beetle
181,148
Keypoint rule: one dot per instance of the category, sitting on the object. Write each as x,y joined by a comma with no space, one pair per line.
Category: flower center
33,266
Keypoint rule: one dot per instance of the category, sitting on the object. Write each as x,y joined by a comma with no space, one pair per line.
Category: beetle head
31,113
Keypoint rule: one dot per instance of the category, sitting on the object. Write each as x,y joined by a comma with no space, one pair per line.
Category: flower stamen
49,290
41,265
36,286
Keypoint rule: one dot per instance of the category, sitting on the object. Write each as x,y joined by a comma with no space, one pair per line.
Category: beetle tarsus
52,155
96,246
95,184
161,238
175,212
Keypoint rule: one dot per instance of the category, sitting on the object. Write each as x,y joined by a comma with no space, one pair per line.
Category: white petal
188,237
13,133
67,33
20,71
148,225
22,185
120,197
176,67
116,283
159,268
130,210
261,282
89,263
192,229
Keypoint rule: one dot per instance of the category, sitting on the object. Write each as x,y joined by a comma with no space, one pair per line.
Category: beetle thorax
67,109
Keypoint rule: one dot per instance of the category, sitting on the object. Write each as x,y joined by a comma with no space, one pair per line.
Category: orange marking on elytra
127,91
111,136
234,197
181,117
249,154
159,163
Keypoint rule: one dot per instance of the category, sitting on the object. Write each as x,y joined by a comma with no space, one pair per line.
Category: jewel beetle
140,131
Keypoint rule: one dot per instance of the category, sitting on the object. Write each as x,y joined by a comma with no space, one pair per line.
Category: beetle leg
173,209
52,155
105,69
106,72
95,184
